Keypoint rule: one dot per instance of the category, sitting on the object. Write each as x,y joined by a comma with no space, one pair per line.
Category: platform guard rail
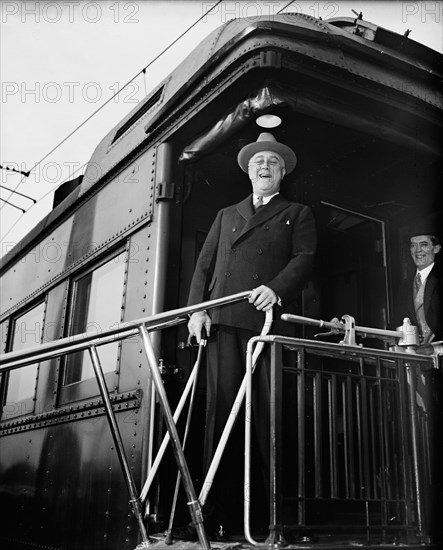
360,441
362,474
90,342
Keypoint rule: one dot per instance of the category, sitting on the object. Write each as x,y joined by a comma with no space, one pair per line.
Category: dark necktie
417,282
258,203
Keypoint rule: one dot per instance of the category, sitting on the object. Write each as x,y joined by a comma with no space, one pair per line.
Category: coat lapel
246,210
431,283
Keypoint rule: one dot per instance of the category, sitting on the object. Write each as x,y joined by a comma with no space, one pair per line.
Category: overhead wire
40,199
26,174
11,204
17,193
284,7
143,70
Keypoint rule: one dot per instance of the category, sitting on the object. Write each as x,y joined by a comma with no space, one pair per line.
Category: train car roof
136,130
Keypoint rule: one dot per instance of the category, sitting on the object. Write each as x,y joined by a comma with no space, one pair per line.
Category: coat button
227,274
259,251
234,229
266,227
255,276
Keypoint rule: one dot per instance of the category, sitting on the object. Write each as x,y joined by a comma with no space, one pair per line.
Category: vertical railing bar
389,449
301,437
403,438
383,446
368,523
135,501
151,441
345,437
359,440
350,428
394,453
193,503
278,405
372,459
273,442
364,413
390,452
425,444
317,383
417,474
332,398
276,538
397,426
165,441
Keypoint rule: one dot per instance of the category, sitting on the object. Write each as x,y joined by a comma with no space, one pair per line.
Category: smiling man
265,244
420,295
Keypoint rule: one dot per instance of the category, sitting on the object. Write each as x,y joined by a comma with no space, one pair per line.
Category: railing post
276,537
193,503
207,484
135,502
301,436
416,470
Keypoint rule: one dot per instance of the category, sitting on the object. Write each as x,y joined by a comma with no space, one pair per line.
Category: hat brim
283,150
424,229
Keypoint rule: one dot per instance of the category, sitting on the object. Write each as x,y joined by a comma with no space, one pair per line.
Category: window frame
26,407
88,388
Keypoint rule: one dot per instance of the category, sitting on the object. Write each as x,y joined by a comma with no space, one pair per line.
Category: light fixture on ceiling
268,121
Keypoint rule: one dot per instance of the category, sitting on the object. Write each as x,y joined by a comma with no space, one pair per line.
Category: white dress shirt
424,273
262,200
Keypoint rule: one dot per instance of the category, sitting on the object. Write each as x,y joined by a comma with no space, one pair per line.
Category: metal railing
359,438
90,342
354,458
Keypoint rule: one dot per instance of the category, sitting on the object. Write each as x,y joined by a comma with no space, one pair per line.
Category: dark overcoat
274,247
432,302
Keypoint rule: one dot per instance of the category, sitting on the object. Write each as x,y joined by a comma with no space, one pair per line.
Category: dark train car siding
62,485
60,478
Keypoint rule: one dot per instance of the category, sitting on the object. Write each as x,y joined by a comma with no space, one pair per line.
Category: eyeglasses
260,162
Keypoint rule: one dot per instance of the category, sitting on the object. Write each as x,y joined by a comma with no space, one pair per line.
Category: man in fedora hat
420,299
420,295
264,243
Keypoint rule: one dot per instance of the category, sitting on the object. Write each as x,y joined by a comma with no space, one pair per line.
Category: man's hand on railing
263,298
198,321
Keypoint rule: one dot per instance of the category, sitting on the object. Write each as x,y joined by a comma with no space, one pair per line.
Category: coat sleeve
205,264
289,282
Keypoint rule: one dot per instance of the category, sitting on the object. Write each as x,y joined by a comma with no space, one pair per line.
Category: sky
61,61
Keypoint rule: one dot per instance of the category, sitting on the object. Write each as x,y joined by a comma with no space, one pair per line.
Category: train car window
96,306
26,332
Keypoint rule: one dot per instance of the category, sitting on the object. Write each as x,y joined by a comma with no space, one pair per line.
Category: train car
361,107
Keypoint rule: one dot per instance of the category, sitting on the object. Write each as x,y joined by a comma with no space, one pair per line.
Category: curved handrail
78,342
209,479
228,427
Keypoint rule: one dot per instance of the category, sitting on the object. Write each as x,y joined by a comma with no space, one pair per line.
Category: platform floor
238,543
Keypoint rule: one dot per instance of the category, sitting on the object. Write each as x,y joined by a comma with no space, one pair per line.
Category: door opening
353,267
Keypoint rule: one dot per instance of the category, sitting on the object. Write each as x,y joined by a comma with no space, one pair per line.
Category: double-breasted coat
245,249
274,246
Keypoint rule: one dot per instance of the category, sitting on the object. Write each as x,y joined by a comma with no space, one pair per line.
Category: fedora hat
424,228
267,142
